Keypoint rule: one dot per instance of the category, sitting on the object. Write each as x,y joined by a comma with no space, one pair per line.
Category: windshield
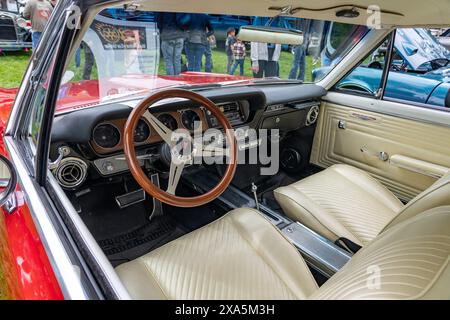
125,51
9,5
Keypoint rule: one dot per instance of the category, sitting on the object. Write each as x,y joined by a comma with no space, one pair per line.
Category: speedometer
106,135
190,119
168,121
142,131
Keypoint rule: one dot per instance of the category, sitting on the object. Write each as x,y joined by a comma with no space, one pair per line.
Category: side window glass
36,113
366,78
38,103
419,70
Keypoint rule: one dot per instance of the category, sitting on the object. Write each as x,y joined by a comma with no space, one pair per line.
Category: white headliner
396,12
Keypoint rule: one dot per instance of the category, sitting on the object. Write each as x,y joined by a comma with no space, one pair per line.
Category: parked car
420,70
136,184
444,39
15,31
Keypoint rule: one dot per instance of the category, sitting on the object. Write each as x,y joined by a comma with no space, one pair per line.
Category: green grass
13,65
220,64
12,68
79,71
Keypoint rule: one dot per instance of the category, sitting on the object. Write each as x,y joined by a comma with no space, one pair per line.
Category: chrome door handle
342,124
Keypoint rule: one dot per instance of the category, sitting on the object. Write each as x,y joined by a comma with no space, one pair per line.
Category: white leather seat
345,202
239,256
242,256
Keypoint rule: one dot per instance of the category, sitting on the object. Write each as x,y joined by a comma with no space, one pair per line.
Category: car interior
356,188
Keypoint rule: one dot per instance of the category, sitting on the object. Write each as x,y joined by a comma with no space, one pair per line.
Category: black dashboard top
77,126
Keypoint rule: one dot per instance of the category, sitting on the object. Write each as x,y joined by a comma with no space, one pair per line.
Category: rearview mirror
68,75
270,35
8,180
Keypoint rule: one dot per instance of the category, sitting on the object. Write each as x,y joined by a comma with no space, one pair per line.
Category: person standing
239,57
199,30
172,41
300,51
264,57
39,12
298,63
210,43
231,40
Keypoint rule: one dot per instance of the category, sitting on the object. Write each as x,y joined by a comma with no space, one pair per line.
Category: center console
319,253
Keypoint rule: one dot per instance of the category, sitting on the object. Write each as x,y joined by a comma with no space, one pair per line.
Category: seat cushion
410,260
239,256
341,201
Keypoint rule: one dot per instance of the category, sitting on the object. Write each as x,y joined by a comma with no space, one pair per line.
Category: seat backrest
437,195
408,261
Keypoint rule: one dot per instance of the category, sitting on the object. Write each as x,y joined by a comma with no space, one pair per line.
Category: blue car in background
420,71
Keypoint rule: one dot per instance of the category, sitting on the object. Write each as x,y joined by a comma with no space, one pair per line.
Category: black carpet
125,234
131,245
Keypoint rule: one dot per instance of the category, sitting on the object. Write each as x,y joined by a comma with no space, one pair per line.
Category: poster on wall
126,48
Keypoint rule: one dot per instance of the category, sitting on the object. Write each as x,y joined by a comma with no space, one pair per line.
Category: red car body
25,267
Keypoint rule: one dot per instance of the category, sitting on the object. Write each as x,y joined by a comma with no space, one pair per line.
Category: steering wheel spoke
176,168
164,132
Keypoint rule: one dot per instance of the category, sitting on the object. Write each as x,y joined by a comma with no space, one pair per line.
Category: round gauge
106,135
190,120
141,132
168,121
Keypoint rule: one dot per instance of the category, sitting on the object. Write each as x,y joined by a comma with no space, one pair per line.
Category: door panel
420,151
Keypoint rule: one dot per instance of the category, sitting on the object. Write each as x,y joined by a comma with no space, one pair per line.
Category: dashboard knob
108,166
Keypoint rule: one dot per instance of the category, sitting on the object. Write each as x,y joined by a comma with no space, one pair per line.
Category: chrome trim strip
317,250
395,109
65,272
90,243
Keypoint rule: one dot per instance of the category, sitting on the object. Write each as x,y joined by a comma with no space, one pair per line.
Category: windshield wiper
272,81
199,87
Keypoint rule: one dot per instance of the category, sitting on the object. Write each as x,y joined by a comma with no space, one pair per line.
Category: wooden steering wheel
178,158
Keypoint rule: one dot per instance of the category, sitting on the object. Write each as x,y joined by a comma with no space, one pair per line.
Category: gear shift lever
254,189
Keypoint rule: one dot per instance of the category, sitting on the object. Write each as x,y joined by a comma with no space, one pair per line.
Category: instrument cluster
107,136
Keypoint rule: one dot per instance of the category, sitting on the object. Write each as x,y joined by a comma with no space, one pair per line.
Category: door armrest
419,166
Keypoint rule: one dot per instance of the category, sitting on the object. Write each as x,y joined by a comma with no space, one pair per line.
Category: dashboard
94,135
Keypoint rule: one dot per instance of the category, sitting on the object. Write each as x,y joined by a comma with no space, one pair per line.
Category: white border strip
65,272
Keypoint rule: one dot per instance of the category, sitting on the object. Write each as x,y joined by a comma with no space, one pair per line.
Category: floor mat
126,234
131,245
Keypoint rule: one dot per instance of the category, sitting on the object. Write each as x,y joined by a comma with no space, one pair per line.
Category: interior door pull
383,156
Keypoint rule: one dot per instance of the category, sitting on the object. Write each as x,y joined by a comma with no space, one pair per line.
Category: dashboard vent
312,116
71,172
229,107
232,111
